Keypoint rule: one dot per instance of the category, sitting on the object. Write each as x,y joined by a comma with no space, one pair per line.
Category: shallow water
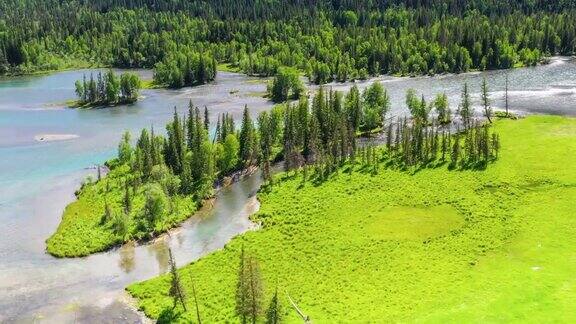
38,179
549,89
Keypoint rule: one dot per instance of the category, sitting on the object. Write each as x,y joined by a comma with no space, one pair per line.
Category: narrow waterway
38,178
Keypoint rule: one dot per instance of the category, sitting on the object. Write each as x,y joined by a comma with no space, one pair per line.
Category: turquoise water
38,178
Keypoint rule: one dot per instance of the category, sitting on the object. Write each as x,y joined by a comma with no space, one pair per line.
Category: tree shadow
168,315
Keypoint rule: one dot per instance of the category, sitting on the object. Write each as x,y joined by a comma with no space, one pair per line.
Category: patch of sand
54,137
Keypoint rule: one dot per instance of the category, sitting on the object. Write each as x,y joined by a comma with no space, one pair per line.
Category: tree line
325,40
320,131
108,89
315,136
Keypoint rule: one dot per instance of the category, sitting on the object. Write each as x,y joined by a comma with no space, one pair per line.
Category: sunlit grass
83,231
435,246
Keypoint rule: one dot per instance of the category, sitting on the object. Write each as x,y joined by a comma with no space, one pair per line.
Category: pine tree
354,107
486,101
455,154
206,119
176,290
127,198
190,124
85,88
242,288
466,107
255,289
144,148
274,312
265,144
247,139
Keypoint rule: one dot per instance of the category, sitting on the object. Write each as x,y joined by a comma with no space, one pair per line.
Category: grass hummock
428,244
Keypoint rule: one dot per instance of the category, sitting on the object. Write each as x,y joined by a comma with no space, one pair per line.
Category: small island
107,90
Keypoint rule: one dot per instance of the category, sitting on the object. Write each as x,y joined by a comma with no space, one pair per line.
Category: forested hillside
326,40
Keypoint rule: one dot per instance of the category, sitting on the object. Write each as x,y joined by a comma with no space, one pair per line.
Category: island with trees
107,89
156,184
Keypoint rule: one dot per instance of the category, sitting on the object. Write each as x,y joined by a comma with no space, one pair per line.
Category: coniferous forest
326,40
420,193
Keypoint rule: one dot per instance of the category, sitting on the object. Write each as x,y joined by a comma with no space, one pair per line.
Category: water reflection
160,251
127,258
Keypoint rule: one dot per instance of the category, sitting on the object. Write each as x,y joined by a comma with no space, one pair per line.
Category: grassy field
83,231
427,246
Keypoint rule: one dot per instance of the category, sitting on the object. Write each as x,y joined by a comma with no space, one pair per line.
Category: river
38,178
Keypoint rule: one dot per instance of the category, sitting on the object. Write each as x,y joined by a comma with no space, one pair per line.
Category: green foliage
82,231
248,145
274,311
186,67
107,89
395,237
417,107
230,158
486,100
375,104
285,85
442,108
125,150
327,40
249,289
465,109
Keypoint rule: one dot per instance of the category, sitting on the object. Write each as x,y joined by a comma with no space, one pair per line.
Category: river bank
338,246
91,223
39,178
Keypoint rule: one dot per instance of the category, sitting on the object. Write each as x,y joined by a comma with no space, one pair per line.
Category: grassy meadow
84,228
429,245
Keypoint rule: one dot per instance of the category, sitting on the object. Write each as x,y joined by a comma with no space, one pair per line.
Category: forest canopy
326,40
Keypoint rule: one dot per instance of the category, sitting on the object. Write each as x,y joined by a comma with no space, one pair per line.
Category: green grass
82,230
226,67
427,246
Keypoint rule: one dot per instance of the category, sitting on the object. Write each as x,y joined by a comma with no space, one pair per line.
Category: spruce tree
176,290
274,312
242,287
466,107
255,289
247,139
486,101
206,119
354,107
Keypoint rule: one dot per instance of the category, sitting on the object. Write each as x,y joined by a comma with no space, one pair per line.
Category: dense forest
325,40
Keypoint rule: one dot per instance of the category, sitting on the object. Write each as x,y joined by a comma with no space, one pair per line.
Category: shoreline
224,67
220,184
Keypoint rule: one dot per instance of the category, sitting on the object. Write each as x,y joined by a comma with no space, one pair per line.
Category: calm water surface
38,179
